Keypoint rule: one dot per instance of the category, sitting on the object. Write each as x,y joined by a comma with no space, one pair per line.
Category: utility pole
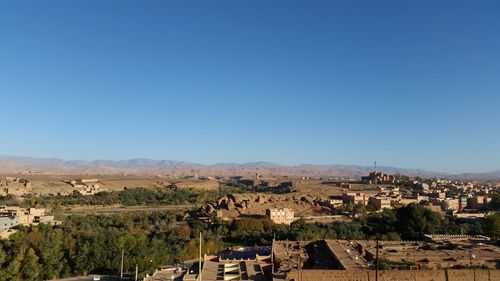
415,264
272,254
136,271
470,263
376,261
121,267
199,263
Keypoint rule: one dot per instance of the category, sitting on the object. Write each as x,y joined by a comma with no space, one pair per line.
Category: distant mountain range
15,164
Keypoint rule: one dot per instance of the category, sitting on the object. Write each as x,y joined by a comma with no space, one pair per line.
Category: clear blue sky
412,84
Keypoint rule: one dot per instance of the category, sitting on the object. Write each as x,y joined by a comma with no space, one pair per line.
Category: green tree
247,226
495,203
378,225
190,250
492,226
30,268
50,251
13,270
414,220
308,231
3,256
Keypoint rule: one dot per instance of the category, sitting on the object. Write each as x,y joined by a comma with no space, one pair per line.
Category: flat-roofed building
438,194
478,201
89,189
333,202
380,202
462,202
355,198
8,222
26,216
450,204
407,201
215,268
379,178
281,215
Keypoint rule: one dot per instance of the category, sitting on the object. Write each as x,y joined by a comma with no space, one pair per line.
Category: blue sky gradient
413,84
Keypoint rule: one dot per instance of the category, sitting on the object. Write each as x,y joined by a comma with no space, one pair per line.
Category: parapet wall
395,275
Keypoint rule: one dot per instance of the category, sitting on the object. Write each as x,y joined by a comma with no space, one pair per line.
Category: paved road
114,210
126,277
86,278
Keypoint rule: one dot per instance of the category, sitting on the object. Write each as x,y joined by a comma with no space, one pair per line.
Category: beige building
452,204
281,215
478,202
355,198
333,203
380,202
439,194
408,201
27,216
89,189
379,178
217,268
238,265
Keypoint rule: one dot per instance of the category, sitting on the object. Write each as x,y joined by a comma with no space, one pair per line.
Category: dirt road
114,210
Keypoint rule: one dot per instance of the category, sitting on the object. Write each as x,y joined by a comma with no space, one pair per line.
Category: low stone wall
395,275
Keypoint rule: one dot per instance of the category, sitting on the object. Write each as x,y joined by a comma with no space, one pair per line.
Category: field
44,184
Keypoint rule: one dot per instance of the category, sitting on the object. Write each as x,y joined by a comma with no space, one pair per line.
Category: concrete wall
8,222
396,275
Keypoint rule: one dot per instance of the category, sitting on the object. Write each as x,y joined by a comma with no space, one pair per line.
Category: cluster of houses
15,186
10,217
466,200
260,183
20,187
387,198
86,186
379,178
462,199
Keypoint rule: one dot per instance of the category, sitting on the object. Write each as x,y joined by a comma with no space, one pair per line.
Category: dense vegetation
134,197
8,200
127,197
93,244
406,223
495,203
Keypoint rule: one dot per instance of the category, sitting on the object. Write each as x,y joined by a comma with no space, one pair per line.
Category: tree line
126,197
